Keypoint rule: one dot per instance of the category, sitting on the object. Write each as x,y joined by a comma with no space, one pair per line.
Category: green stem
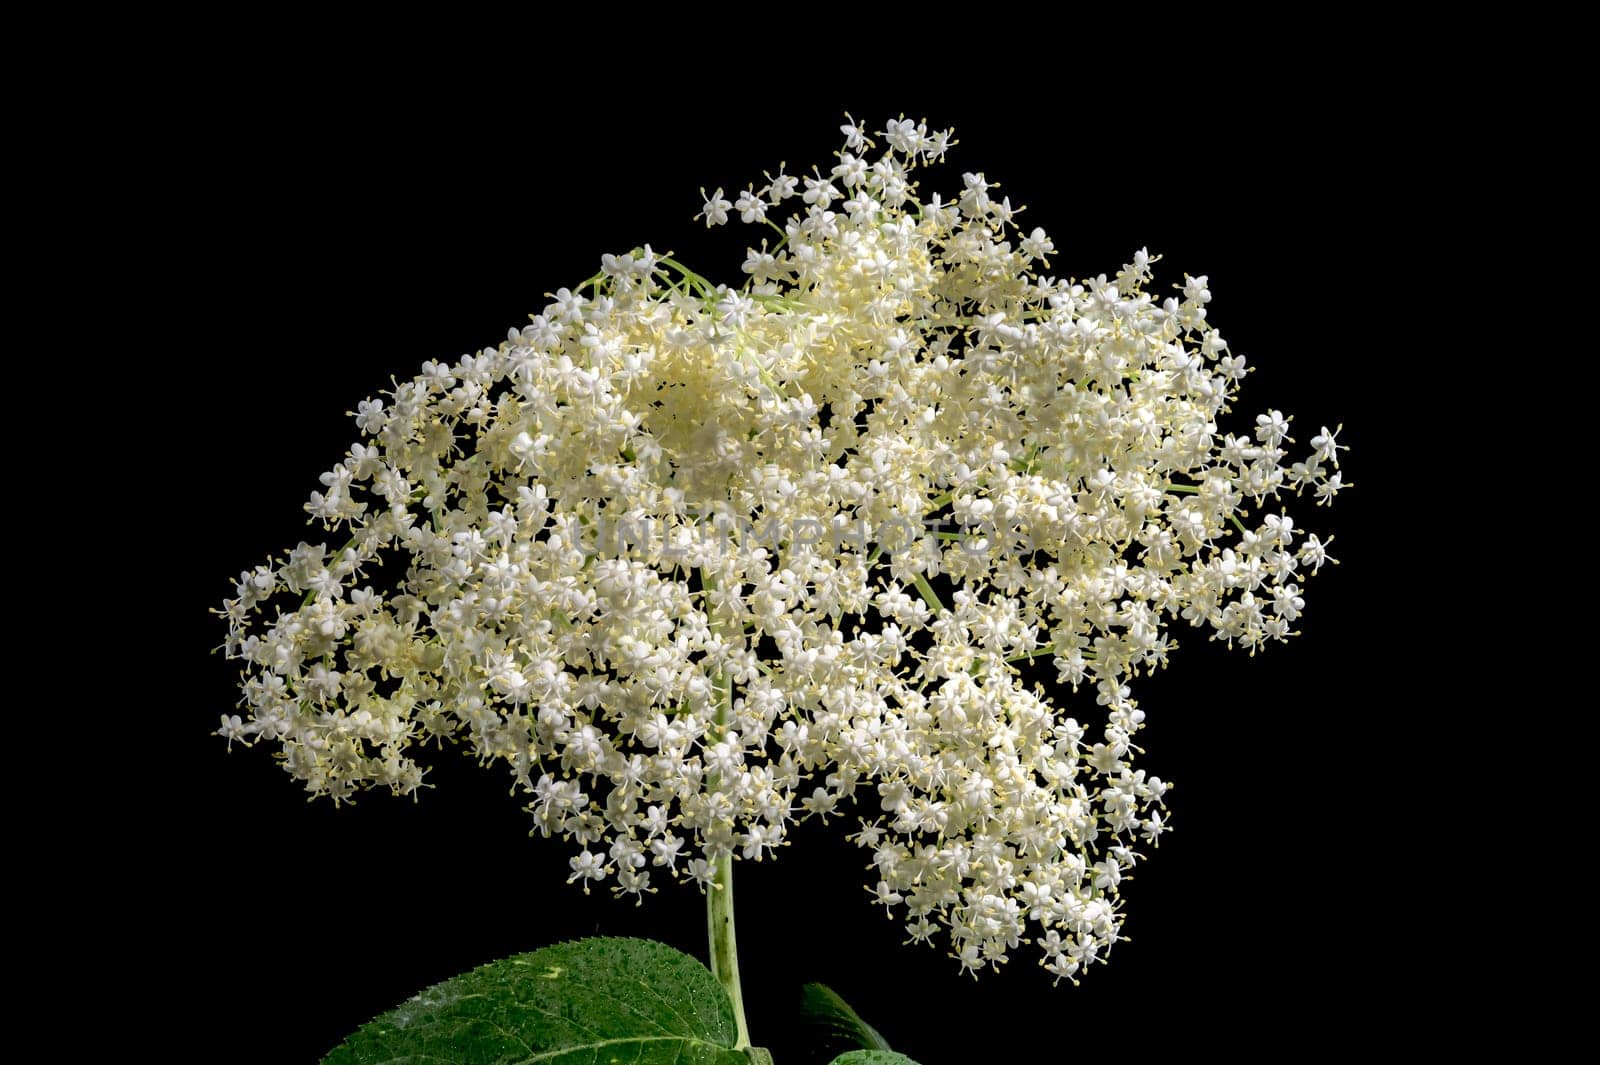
719,895
705,286
929,596
724,945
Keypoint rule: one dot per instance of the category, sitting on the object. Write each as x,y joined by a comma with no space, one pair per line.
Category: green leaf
872,1057
593,1002
822,1007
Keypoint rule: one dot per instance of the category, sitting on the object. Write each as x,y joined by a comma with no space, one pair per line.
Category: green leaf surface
823,1009
872,1057
598,1001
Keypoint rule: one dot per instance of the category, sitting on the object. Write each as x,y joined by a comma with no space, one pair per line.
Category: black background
327,239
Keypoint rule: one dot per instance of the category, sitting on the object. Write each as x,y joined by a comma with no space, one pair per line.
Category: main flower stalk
724,944
720,933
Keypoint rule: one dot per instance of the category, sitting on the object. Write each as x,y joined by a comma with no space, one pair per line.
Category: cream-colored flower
692,562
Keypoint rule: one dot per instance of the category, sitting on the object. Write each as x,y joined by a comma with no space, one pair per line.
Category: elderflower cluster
861,492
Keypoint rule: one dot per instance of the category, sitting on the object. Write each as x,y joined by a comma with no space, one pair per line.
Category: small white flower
855,138
781,187
1037,245
232,729
1272,428
751,207
587,866
715,211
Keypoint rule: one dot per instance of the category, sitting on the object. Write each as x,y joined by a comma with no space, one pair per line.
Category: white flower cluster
880,477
